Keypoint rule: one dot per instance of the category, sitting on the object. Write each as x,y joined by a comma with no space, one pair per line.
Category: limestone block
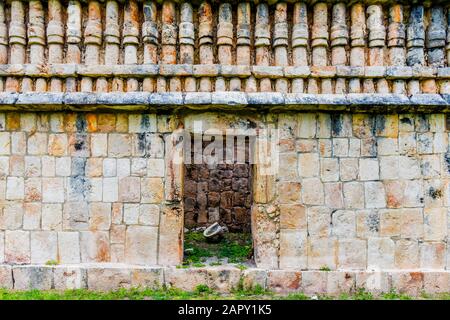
108,278
148,277
149,215
390,222
53,190
75,216
37,144
99,145
343,224
109,167
411,223
12,216
141,245
185,279
223,279
367,223
119,145
288,161
432,255
340,282
99,216
69,247
329,169
319,221
375,282
353,195
340,147
63,166
32,166
375,195
293,249
308,165
406,254
284,281
254,277
43,246
389,167
131,213
435,224
94,246
15,188
2,247
110,189
352,254
436,282
5,143
33,277
410,283
348,169
322,253
313,193
69,278
293,216
155,167
130,189
152,190
289,192
57,144
6,279
17,247
333,195
413,194
381,253
138,167
314,282
368,169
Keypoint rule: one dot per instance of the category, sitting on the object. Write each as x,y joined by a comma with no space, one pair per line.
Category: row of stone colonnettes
324,47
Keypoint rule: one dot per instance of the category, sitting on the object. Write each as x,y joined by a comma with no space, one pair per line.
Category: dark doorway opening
218,192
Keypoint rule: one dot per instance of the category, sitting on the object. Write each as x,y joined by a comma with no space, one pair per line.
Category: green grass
201,292
236,247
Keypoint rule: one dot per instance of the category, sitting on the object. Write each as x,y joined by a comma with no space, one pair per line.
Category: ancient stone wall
95,96
81,187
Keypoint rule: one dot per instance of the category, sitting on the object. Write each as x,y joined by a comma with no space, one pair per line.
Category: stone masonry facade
95,97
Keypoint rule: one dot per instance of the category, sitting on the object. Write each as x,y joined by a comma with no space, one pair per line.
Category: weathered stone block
33,277
186,279
94,246
17,247
293,249
141,245
6,277
108,278
322,253
283,281
148,277
69,278
352,254
381,253
69,247
339,282
314,282
43,246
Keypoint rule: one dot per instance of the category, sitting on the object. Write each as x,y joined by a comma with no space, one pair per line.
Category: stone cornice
307,48
227,101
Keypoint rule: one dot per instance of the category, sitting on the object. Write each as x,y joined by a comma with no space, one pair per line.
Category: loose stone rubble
93,93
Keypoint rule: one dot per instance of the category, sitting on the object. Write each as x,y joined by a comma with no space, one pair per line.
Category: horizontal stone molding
224,100
106,277
217,70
